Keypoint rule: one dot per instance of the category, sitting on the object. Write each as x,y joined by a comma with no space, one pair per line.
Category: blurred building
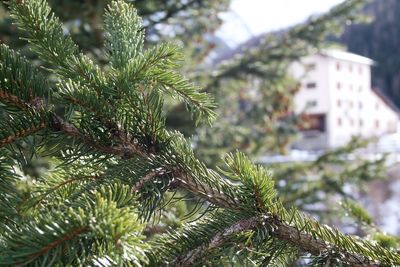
338,102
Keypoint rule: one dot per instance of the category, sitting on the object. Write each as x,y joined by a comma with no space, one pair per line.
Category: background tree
378,40
188,22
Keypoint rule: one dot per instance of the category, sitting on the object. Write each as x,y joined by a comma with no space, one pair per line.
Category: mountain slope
379,40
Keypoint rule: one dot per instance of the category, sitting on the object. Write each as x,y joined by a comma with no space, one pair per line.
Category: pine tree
115,163
187,22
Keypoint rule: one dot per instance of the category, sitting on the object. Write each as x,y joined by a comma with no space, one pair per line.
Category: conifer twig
124,150
13,99
192,256
204,191
22,133
55,243
147,178
302,241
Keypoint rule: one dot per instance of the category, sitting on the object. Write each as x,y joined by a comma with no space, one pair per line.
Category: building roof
347,56
386,100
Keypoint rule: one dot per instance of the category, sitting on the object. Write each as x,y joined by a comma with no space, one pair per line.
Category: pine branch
186,181
72,234
62,237
281,230
48,40
149,177
316,246
285,232
20,83
294,228
34,201
15,127
157,65
204,191
10,196
21,134
124,33
12,99
124,150
199,103
192,256
46,33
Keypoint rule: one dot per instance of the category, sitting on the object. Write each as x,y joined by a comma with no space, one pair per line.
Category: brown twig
283,231
22,133
204,191
55,243
13,99
147,178
192,256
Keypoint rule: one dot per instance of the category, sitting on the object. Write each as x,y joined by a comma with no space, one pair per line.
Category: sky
252,17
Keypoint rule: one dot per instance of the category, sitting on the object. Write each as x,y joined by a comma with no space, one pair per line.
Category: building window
377,124
392,127
360,88
315,122
361,123
360,70
311,103
311,85
377,106
351,104
312,66
351,122
339,103
351,87
339,121
338,85
351,68
360,105
338,66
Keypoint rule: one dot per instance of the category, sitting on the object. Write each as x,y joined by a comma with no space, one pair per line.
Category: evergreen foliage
383,29
115,163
